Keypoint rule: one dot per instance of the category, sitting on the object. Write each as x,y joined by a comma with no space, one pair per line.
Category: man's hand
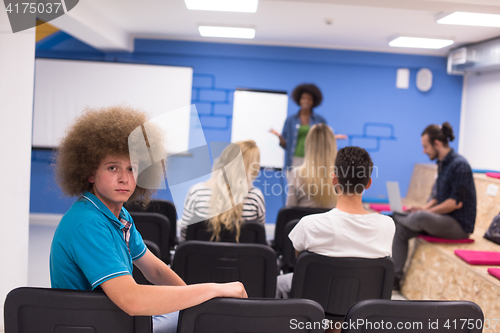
414,209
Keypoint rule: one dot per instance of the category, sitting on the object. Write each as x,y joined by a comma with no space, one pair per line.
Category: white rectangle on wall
63,89
254,114
480,121
403,78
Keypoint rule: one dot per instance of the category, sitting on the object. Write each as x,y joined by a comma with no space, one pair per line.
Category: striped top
197,203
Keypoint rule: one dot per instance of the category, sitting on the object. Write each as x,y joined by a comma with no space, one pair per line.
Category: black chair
285,215
289,259
251,232
163,207
35,310
254,265
338,283
156,228
414,316
230,315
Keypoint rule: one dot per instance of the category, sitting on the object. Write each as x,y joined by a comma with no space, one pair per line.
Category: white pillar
17,59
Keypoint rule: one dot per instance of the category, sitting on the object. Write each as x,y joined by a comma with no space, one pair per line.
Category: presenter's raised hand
272,130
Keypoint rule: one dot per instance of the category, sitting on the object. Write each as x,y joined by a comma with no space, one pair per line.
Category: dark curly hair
95,135
310,89
353,167
443,133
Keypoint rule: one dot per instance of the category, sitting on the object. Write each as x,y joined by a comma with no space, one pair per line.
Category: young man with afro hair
96,242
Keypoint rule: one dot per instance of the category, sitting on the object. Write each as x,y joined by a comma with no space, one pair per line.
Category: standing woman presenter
296,127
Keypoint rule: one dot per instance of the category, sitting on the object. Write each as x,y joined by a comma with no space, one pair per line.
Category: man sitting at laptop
451,210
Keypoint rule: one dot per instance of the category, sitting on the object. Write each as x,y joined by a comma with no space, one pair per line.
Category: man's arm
143,300
445,207
156,271
427,206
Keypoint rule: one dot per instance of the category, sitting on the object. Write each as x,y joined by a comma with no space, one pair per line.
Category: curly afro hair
95,135
310,89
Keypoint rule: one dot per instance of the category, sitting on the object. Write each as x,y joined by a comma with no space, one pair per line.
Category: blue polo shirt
89,248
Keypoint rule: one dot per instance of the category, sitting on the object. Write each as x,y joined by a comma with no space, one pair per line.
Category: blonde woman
310,185
205,199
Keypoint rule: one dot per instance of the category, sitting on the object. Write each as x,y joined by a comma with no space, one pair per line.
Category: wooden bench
436,273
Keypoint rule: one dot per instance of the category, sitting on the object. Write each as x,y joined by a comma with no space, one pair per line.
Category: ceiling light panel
243,6
474,19
226,32
421,43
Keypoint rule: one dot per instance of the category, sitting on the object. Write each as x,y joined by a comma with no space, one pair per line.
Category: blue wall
360,99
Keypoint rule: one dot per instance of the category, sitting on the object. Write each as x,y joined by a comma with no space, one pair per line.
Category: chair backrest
250,232
414,316
229,315
287,214
252,264
136,272
35,310
289,258
156,228
338,283
163,207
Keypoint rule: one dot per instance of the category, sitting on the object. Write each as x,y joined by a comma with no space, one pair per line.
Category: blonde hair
319,162
231,219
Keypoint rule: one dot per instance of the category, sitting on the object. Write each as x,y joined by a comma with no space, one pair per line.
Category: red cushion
494,272
382,207
493,174
445,240
479,257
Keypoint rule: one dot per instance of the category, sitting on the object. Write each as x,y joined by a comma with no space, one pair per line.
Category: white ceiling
356,24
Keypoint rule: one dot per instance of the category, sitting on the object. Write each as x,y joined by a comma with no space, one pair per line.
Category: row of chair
35,310
199,231
335,283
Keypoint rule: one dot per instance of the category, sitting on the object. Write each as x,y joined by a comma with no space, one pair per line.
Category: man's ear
437,145
91,179
335,179
369,184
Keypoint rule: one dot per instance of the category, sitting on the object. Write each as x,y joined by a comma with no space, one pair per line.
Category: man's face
429,149
114,182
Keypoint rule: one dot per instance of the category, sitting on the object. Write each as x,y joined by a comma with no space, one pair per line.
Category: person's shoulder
382,221
461,162
320,118
256,192
81,214
199,188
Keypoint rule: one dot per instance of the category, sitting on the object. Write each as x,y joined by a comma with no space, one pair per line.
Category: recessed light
244,6
422,43
226,32
476,19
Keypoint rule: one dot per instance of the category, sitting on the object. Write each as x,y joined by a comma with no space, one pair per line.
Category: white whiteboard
254,114
480,121
64,88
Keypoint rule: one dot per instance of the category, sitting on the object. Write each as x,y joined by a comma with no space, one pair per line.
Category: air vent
478,57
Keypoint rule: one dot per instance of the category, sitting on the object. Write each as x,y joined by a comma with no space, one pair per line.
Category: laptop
395,198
